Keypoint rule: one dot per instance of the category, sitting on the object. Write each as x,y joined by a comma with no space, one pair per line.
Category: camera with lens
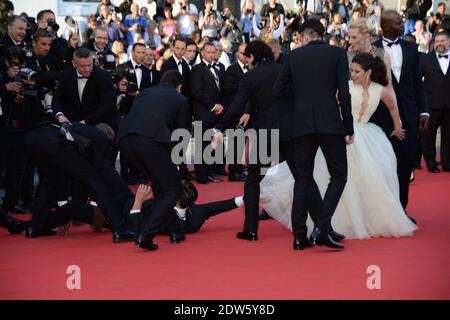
105,61
53,25
129,74
291,15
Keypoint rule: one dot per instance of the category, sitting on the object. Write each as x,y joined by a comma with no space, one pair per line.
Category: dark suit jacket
98,103
146,82
436,84
170,64
313,74
204,93
7,42
232,77
156,113
256,87
410,93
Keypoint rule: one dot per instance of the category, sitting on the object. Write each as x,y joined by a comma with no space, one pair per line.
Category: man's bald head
392,24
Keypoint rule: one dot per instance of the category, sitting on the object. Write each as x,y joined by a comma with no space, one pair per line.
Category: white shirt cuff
425,114
58,114
213,108
239,201
135,211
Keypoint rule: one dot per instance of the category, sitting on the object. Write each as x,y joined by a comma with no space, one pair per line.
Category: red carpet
213,264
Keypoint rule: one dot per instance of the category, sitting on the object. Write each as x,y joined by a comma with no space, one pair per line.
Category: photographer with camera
232,32
21,108
46,20
210,21
111,23
246,20
104,58
85,94
186,14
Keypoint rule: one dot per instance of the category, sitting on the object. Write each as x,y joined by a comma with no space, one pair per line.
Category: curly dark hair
260,51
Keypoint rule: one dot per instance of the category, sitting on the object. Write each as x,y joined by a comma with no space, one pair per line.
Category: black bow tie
138,67
210,66
246,67
390,44
81,77
179,62
443,56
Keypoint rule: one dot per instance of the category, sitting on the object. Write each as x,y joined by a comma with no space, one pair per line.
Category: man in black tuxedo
255,87
17,28
141,74
233,76
186,217
78,153
85,94
322,121
437,83
149,59
411,99
206,101
145,140
176,62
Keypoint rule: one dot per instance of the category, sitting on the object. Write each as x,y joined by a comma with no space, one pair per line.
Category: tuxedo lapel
73,86
405,60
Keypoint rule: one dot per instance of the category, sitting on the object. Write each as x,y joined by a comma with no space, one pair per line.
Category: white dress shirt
81,84
396,53
443,62
179,64
138,72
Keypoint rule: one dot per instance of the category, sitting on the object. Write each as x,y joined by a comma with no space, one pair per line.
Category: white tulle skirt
369,206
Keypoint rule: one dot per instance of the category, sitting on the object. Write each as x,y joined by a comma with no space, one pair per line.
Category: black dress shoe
245,235
177,237
300,244
14,226
202,179
263,215
321,239
146,243
434,170
237,177
31,234
336,236
214,179
123,236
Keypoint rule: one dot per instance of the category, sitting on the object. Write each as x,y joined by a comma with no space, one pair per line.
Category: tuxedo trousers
153,159
438,118
307,196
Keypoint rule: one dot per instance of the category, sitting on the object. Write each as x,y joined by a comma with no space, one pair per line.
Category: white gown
370,205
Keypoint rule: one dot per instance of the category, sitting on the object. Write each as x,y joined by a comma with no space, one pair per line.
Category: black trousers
322,210
153,160
19,171
252,186
405,152
438,118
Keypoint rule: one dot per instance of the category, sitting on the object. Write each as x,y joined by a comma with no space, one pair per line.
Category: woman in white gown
370,205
